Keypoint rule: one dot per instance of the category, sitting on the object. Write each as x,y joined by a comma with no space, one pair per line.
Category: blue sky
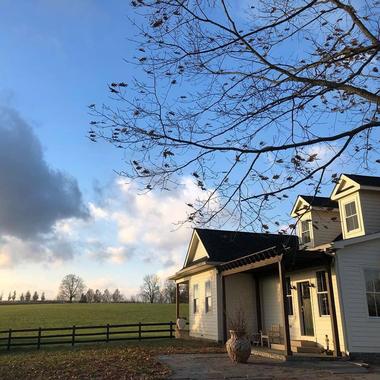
57,57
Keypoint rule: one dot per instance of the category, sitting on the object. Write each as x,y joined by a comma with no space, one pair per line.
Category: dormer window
305,231
351,216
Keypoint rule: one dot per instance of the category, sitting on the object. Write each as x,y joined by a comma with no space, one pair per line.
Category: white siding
326,226
202,324
363,332
370,204
270,301
241,295
272,314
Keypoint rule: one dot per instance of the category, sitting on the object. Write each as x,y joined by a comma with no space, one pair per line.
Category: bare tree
72,286
14,295
117,296
28,296
169,291
245,102
106,297
43,297
22,297
97,296
90,295
150,289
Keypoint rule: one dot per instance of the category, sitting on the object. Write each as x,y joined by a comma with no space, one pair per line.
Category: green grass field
62,315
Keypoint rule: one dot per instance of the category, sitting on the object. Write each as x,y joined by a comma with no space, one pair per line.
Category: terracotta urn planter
238,347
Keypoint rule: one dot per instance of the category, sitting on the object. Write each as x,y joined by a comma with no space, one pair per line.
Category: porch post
177,300
331,302
284,308
224,309
258,304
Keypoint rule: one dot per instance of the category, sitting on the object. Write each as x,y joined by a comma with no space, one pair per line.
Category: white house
321,287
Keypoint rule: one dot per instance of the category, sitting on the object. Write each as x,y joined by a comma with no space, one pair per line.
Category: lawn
61,315
104,361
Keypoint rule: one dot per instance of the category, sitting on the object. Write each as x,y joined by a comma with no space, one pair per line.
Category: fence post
73,337
39,338
9,339
171,329
108,333
139,330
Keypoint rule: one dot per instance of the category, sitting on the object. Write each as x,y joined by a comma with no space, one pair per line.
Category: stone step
303,343
308,350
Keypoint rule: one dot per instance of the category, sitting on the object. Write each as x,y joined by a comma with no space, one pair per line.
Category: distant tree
28,296
98,296
83,298
117,296
43,297
22,297
35,296
150,289
9,296
90,295
169,292
1,297
72,286
133,299
106,297
14,295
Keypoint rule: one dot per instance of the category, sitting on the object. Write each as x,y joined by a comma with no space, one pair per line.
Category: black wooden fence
85,334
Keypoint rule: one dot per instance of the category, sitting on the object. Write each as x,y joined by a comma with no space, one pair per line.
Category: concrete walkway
218,366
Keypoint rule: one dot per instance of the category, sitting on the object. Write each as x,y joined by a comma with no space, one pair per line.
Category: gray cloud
32,195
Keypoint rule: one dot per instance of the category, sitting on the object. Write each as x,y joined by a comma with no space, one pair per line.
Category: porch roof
291,258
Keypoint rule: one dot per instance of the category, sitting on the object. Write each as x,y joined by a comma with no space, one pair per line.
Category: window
372,284
195,299
289,298
352,222
305,231
208,305
323,301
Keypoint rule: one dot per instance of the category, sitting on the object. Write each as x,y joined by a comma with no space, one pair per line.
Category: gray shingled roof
320,201
223,246
364,180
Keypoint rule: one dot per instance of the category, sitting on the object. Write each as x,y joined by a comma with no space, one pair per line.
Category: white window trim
321,292
195,311
359,230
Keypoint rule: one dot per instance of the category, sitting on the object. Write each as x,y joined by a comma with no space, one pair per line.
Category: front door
306,312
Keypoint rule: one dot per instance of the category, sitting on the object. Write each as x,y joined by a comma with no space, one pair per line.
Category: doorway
306,313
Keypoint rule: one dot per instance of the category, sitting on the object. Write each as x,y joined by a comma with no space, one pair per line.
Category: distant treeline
23,298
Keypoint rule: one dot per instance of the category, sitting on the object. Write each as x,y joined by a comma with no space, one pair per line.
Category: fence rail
80,334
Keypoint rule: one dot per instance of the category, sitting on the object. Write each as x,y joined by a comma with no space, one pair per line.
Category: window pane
321,281
372,280
323,304
371,304
208,289
287,286
377,297
195,288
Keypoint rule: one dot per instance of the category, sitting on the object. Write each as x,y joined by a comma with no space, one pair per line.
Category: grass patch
62,315
106,361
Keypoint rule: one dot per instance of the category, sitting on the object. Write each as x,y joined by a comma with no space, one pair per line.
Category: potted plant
238,346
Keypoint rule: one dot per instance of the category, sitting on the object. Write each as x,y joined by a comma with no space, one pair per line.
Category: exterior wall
202,324
370,204
241,295
363,331
326,226
200,251
270,301
271,307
